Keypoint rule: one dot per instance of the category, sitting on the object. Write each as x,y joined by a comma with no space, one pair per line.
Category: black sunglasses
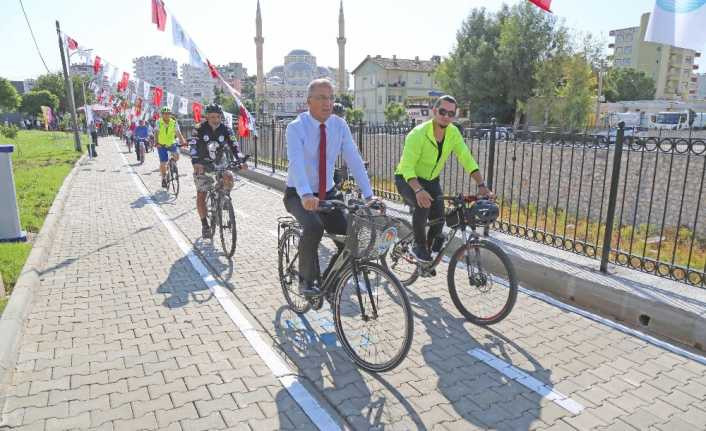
443,112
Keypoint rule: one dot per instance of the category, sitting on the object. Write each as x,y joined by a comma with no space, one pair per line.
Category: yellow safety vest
167,134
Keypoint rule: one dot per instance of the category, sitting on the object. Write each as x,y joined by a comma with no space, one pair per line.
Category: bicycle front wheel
398,259
174,178
228,231
288,267
482,282
373,317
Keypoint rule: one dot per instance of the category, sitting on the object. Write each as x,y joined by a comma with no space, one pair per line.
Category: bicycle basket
369,236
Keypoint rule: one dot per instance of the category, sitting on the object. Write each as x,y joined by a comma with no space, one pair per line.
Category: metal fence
636,202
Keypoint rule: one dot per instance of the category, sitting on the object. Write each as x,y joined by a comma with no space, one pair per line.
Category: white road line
279,368
519,376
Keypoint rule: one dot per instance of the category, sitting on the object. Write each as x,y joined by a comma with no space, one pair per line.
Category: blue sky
224,29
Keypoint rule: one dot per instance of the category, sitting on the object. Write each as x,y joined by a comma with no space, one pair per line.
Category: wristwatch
418,190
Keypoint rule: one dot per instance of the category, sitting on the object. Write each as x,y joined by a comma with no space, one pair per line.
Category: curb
580,285
18,307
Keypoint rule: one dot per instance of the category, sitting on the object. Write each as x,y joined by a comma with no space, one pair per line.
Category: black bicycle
220,207
172,175
481,277
372,315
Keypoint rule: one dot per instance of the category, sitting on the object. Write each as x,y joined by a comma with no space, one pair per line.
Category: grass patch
3,303
40,163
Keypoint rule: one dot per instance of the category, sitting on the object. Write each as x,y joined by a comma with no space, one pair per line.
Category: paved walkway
124,333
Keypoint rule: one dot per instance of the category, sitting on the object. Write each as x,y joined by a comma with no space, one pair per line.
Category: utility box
9,214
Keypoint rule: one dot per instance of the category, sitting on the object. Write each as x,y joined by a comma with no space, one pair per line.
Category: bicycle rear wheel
173,178
398,259
228,231
482,282
288,267
373,317
212,205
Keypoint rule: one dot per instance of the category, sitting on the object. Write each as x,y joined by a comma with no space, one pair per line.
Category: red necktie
322,162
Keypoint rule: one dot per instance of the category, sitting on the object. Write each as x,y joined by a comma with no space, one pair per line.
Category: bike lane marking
318,415
519,376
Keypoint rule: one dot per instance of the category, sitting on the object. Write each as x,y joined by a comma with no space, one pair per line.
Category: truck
678,120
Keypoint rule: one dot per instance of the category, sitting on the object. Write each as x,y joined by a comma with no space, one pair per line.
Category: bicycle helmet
165,109
338,109
483,212
213,108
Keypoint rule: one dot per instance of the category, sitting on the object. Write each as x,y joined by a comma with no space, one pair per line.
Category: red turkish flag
159,14
196,108
212,68
122,85
157,96
96,65
71,43
542,4
243,130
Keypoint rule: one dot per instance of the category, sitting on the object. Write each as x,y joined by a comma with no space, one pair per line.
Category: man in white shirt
316,136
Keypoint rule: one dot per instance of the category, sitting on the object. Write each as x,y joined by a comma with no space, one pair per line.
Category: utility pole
600,93
69,90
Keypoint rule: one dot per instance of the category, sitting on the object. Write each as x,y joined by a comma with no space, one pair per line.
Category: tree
9,99
395,112
576,93
54,83
354,115
527,37
33,101
472,72
628,84
492,69
346,100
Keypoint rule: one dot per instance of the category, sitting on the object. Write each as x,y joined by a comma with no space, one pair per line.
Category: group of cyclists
315,140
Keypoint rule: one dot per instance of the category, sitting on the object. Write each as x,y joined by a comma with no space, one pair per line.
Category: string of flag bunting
135,99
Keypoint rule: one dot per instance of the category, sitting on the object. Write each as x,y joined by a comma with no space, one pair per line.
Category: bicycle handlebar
333,204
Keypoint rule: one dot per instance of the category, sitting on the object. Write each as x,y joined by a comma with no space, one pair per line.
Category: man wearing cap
166,131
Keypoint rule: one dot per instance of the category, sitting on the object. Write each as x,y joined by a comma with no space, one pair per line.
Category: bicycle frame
328,280
467,239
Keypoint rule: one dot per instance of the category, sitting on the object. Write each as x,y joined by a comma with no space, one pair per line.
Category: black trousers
313,224
420,216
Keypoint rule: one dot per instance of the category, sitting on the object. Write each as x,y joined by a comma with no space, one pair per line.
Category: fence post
491,163
273,145
613,196
360,138
491,154
254,138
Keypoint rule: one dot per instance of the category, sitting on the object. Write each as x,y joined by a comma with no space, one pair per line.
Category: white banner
179,36
183,106
678,23
170,100
146,87
228,119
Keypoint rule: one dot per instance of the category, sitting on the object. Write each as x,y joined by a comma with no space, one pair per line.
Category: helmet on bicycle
483,211
165,109
338,109
213,108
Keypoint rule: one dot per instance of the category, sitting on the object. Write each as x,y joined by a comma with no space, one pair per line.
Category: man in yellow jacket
165,133
426,149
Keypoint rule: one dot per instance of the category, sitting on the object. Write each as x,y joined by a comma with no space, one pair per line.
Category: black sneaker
206,232
438,243
164,183
421,253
